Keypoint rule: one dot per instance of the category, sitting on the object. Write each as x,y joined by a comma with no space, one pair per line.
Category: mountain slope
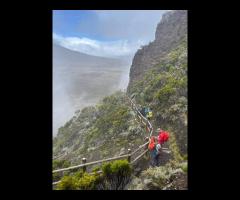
158,78
98,132
161,81
164,89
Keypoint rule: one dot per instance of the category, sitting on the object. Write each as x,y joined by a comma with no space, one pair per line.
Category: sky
109,33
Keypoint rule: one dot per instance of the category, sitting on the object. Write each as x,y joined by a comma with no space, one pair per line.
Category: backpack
151,144
163,137
150,114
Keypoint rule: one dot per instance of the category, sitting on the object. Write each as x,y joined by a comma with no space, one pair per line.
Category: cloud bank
98,48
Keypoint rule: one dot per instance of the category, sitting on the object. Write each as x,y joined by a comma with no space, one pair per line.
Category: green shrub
78,181
117,167
86,182
106,167
79,173
67,183
96,169
116,174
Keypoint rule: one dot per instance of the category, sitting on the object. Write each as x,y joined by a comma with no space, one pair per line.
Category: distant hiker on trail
148,112
142,111
154,151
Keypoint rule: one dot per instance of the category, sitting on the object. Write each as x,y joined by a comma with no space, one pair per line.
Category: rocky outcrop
171,29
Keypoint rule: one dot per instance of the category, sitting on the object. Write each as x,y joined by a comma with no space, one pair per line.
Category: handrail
140,147
91,163
143,117
139,156
55,183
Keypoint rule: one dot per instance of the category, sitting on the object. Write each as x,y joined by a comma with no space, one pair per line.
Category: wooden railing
129,155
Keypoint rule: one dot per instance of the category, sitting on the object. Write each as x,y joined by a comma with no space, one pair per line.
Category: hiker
142,111
154,151
148,112
156,159
163,136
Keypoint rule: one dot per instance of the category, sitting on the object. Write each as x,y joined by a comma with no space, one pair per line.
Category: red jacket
163,137
151,144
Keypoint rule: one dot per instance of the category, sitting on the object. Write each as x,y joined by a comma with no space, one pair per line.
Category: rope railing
144,121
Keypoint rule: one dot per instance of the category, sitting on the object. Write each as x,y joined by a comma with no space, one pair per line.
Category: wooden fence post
129,157
147,139
84,160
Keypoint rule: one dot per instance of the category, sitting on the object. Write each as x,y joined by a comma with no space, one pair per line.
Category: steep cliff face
170,31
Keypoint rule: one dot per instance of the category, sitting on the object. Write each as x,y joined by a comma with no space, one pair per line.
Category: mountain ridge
60,52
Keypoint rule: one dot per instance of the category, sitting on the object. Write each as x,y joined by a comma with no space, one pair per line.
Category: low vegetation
115,175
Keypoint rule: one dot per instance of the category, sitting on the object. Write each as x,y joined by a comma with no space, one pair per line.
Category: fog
77,84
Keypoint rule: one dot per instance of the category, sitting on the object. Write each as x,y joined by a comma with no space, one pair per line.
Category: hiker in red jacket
163,136
154,148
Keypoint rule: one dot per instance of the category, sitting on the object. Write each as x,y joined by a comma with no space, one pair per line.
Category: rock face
171,29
